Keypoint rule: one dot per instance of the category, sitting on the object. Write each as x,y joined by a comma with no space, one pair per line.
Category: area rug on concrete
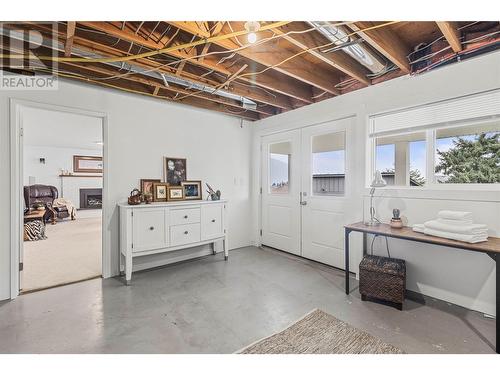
320,333
71,252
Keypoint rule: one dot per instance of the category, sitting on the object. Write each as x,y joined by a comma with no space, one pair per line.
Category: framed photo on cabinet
175,193
192,190
160,192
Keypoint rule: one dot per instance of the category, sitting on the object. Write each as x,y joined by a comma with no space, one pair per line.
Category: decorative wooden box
383,278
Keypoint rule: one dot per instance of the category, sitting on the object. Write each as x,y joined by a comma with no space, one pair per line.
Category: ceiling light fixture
252,27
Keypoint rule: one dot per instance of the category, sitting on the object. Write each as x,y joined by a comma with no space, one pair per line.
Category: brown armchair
45,194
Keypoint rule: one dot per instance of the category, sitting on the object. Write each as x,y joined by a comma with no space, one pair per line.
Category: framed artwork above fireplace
87,164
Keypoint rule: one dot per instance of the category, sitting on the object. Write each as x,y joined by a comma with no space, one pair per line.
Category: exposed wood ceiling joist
70,34
296,68
279,100
450,32
339,60
386,42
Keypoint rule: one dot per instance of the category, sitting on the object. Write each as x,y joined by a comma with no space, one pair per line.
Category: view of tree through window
468,154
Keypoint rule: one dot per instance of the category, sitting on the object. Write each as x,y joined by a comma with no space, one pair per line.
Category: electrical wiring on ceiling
315,48
296,55
145,54
226,36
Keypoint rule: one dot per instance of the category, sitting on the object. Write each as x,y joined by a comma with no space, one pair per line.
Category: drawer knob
213,220
185,216
151,228
186,232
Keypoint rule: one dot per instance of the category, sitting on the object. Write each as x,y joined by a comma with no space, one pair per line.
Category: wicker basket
383,278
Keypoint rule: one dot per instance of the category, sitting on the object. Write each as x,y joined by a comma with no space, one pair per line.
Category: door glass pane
328,164
401,159
468,154
279,167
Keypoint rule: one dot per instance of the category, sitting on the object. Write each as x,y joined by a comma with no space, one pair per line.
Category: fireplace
90,198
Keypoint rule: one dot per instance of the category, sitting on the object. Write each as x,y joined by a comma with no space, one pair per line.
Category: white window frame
430,138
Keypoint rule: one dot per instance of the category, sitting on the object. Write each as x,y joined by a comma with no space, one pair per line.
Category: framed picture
175,193
147,185
174,170
160,192
192,190
87,164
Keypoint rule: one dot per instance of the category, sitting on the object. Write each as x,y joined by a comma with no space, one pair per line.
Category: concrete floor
211,306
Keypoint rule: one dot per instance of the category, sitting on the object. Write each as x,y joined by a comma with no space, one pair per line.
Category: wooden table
34,215
490,248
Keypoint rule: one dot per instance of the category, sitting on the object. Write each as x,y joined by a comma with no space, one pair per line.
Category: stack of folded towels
455,225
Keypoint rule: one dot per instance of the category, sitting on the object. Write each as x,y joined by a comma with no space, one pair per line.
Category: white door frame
16,179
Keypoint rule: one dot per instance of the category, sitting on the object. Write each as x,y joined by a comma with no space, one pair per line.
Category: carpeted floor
321,333
71,252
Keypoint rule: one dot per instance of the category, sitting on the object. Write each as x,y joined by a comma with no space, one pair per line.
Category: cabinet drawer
211,222
149,229
184,215
184,234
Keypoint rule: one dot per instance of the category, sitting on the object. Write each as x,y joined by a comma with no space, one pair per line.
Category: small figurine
213,195
396,221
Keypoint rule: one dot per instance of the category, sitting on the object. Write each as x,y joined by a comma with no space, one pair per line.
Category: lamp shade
378,181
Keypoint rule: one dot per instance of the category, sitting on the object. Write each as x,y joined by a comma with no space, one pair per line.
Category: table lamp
377,182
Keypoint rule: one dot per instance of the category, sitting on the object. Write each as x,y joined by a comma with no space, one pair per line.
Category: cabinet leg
128,270
213,248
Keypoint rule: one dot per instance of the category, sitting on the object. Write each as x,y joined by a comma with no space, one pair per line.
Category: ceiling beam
297,68
451,33
70,34
339,60
274,100
386,42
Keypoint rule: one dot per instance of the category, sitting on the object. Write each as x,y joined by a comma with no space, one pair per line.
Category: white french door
306,215
281,191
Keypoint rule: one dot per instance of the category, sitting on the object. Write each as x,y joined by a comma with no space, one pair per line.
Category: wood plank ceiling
212,65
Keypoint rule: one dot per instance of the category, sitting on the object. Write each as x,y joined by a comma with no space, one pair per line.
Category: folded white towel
461,229
456,236
455,215
419,228
455,222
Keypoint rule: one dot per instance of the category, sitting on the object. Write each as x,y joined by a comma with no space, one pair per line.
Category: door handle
303,203
186,232
213,220
151,228
186,216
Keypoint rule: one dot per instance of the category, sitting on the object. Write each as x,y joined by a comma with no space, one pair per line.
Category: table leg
497,263
365,243
346,250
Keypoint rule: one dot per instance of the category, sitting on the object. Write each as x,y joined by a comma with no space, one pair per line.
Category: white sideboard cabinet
155,228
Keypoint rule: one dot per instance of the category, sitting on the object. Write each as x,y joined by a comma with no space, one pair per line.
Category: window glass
328,164
279,167
402,159
468,154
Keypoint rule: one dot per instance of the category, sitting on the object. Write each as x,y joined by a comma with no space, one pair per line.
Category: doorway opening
61,172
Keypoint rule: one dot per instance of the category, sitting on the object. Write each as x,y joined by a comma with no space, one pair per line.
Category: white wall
56,158
460,277
141,132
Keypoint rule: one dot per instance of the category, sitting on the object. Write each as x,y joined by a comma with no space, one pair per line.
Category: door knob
213,220
186,232
186,216
151,228
303,203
